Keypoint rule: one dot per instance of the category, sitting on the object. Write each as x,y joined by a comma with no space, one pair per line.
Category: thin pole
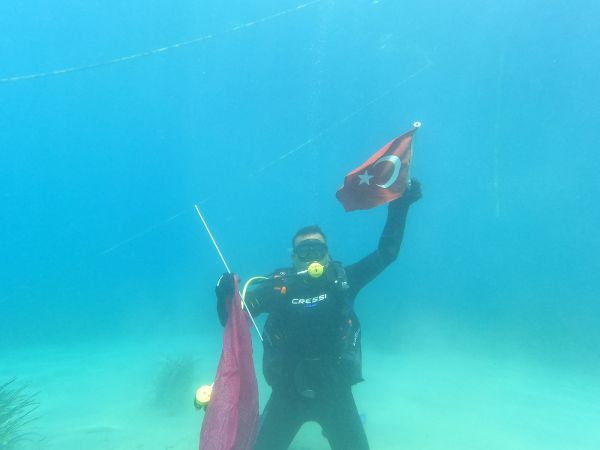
416,126
226,267
212,238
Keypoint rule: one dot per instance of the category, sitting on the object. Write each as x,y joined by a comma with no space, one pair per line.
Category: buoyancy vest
312,335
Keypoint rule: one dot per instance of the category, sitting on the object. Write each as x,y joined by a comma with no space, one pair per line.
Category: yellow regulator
315,270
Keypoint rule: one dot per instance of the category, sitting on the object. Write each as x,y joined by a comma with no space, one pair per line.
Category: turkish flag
382,178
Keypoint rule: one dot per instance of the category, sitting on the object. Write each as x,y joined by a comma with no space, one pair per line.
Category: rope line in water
142,233
156,51
289,153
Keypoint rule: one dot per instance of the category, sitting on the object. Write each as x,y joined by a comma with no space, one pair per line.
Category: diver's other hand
225,286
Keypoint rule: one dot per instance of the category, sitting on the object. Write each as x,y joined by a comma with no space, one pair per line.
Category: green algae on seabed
16,414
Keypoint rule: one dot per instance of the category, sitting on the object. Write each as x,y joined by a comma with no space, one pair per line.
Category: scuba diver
312,336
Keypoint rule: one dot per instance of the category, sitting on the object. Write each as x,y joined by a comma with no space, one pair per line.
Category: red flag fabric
231,420
382,178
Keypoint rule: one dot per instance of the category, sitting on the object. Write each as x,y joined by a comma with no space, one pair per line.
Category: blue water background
100,169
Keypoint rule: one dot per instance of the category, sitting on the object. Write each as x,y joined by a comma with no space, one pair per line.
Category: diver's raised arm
362,272
393,231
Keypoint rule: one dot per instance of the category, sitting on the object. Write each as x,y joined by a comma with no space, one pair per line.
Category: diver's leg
341,423
279,423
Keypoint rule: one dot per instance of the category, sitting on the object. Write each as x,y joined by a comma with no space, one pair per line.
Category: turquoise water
117,117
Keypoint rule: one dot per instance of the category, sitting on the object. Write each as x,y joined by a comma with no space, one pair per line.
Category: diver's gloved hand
224,291
411,195
225,286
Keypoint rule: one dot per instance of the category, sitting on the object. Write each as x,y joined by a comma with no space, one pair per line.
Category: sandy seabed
102,396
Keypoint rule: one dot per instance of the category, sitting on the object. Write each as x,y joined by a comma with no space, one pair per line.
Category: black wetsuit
312,353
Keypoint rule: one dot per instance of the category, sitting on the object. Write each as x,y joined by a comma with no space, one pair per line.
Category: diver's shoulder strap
282,276
336,274
282,272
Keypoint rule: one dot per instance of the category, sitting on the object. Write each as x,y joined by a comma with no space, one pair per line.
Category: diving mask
311,250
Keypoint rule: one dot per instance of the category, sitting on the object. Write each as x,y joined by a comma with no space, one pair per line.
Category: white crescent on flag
397,165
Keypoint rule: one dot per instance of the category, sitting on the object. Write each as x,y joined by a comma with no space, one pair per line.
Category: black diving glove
224,291
410,196
224,287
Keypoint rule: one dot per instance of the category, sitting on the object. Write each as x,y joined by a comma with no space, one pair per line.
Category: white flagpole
212,239
416,126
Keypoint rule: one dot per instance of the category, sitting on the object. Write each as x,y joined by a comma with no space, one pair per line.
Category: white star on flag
365,178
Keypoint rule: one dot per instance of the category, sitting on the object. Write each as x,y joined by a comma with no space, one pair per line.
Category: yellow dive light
202,397
315,269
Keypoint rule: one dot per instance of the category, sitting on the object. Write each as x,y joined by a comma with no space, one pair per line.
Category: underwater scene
148,148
